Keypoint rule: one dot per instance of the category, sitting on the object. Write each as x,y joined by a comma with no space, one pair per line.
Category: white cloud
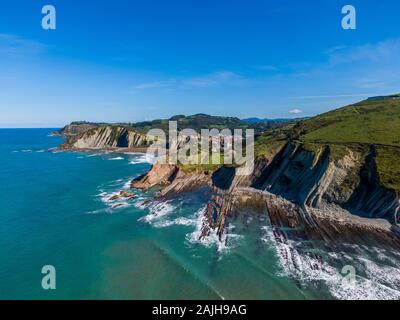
371,83
266,68
215,79
295,111
333,96
334,49
156,84
376,52
13,45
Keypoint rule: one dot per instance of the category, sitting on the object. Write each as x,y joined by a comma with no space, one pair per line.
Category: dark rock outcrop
370,199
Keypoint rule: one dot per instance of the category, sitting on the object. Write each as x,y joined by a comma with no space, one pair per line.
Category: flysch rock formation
107,137
327,195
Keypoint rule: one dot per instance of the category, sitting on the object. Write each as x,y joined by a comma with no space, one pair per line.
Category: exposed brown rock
160,174
107,137
184,182
306,190
329,224
122,195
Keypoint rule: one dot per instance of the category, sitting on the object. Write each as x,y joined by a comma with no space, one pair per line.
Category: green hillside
195,122
370,123
204,121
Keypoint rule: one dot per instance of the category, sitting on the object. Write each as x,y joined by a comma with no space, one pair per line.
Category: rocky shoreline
231,194
327,189
103,150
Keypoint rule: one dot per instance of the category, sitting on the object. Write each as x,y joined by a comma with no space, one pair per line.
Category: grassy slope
370,122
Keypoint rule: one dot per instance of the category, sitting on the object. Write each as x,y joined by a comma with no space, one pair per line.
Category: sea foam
158,210
227,241
375,283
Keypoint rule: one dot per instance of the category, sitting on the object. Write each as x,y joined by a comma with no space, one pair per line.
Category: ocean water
56,210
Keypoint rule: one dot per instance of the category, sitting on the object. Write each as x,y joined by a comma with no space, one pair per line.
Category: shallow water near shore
56,210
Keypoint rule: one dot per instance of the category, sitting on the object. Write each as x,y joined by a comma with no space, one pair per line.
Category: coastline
328,222
105,150
182,226
226,189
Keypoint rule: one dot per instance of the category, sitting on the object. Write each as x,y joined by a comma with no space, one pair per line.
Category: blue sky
139,60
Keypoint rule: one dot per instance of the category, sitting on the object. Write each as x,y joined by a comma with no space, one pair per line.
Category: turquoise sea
55,210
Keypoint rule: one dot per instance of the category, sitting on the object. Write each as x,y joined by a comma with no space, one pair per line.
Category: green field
369,122
372,123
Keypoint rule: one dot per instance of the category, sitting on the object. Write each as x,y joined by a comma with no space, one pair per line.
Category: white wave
115,159
158,210
379,282
268,238
141,204
127,184
386,275
151,158
228,239
93,155
371,288
119,205
94,212
136,162
182,221
29,150
382,255
106,198
142,158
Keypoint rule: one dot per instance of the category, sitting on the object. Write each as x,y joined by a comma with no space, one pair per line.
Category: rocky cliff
345,159
105,137
172,179
319,182
315,176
